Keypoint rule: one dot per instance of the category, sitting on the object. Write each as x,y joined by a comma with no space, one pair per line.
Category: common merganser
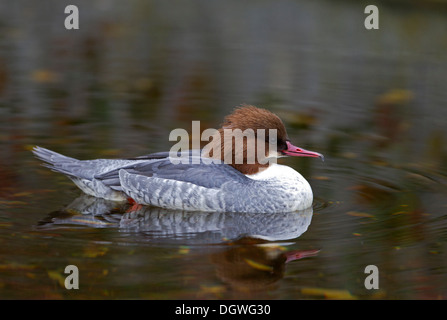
199,185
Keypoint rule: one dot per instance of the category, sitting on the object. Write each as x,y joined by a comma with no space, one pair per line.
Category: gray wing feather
167,154
210,175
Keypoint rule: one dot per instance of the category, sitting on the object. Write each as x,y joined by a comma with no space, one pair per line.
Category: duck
222,177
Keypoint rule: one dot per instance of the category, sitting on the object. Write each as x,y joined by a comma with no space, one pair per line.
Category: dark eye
282,145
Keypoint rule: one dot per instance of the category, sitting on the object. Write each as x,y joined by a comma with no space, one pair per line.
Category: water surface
373,102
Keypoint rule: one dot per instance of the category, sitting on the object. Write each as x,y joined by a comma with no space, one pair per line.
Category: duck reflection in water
252,265
249,250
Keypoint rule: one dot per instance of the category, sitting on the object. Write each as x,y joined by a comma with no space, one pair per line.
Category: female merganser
221,185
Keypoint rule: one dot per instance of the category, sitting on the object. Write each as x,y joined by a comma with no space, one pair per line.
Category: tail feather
82,173
55,161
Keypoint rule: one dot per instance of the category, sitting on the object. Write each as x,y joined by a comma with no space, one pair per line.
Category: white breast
287,182
276,172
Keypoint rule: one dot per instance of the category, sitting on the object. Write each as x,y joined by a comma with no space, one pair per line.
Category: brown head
260,122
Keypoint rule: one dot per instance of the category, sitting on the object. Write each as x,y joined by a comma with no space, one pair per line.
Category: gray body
197,186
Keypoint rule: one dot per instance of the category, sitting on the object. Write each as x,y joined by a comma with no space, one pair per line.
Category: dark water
373,102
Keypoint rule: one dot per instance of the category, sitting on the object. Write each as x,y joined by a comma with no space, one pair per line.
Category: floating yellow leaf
5,224
22,194
399,212
396,96
183,250
329,293
12,202
258,265
55,275
380,294
360,214
349,155
212,289
16,266
44,76
357,234
322,178
93,252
